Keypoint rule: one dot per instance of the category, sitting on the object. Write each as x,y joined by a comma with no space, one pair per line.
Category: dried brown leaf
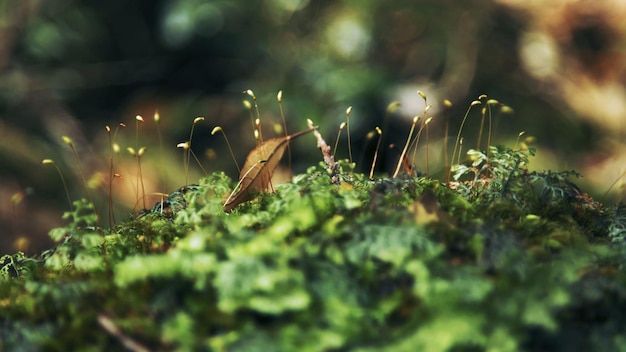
257,171
427,210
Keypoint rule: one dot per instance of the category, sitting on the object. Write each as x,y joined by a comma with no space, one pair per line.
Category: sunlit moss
332,261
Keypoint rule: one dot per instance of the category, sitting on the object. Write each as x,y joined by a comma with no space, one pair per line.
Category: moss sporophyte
494,258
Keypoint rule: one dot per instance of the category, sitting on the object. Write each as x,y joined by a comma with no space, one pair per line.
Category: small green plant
497,258
67,192
230,150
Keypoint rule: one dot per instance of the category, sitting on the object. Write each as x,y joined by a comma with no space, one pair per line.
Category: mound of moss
501,259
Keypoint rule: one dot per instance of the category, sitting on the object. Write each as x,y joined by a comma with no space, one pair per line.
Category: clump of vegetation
497,259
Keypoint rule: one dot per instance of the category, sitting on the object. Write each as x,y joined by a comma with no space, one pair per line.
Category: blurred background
71,68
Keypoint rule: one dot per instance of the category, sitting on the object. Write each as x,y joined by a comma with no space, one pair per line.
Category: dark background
70,68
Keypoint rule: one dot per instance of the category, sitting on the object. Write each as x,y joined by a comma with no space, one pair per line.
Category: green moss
504,259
